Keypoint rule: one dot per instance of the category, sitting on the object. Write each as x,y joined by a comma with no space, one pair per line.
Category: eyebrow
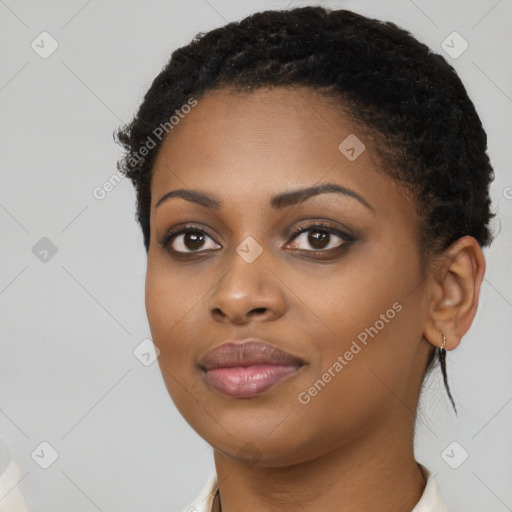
277,202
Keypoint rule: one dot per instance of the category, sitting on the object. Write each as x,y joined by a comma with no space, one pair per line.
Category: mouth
248,369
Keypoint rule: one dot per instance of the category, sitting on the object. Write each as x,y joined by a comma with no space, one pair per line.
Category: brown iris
193,240
318,238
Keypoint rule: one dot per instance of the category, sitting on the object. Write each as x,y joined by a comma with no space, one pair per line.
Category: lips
247,369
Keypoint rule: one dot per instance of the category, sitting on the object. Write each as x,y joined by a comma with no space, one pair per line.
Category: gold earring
443,343
442,350
442,360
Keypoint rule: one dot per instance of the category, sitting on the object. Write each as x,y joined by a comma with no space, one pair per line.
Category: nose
248,292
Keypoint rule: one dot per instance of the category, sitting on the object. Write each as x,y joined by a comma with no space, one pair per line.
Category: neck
375,473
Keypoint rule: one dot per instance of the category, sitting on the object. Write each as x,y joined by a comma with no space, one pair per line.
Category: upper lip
247,353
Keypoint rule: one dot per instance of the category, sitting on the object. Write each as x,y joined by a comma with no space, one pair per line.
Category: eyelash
173,233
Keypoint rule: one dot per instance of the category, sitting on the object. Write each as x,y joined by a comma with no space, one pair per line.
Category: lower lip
248,381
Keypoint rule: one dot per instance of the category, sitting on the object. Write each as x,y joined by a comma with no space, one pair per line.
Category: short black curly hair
408,100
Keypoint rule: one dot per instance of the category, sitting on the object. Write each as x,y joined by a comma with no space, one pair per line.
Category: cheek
172,308
344,299
371,315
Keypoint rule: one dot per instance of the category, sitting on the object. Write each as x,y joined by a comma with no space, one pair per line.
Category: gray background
69,325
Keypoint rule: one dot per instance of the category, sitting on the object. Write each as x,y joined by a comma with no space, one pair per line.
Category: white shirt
11,499
430,501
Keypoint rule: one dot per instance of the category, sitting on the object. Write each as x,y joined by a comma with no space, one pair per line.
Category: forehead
227,128
246,147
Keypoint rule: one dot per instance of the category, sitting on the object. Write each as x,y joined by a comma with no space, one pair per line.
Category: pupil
193,240
318,239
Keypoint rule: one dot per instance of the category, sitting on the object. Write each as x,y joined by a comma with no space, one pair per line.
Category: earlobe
455,290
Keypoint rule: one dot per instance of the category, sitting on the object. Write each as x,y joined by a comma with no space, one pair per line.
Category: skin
353,442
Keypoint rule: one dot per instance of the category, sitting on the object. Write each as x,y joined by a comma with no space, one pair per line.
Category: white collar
12,499
430,501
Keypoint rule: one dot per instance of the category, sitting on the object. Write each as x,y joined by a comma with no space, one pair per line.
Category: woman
312,187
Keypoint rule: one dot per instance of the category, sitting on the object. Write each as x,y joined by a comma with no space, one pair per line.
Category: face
331,277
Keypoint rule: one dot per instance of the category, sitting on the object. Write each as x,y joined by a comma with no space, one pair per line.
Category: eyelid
327,252
344,231
317,254
171,234
290,233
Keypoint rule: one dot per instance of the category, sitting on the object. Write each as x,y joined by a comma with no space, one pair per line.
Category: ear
454,292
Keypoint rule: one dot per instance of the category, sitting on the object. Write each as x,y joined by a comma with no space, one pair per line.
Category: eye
320,237
188,239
